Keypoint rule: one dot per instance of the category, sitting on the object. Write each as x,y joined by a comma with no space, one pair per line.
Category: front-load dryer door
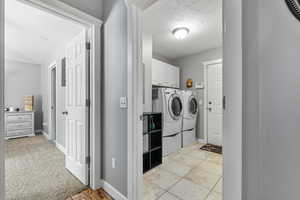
192,106
175,106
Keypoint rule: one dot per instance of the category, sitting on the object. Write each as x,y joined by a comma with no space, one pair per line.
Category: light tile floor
190,174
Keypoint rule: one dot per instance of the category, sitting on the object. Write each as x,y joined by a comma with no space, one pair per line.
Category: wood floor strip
90,194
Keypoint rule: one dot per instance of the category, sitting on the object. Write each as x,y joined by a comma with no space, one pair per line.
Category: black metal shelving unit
152,139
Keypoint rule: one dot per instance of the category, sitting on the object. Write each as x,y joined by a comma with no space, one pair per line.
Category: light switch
123,102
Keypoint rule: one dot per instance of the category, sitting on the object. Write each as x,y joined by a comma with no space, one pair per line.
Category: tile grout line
210,192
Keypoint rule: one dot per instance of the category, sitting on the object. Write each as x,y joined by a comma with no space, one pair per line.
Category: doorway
92,29
213,102
232,84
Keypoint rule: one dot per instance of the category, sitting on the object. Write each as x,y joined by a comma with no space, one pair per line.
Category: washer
190,113
168,101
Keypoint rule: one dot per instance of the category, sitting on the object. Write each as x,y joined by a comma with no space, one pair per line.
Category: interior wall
234,90
192,67
147,62
92,7
23,79
162,58
55,58
114,140
277,72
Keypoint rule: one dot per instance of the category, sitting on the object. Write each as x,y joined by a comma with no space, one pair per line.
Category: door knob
210,103
209,109
65,113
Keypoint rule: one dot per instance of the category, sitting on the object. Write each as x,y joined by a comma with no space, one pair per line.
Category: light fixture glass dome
181,33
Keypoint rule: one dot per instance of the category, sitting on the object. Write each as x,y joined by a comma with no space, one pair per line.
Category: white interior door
77,112
214,104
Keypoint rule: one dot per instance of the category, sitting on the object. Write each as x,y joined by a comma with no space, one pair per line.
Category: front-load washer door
175,106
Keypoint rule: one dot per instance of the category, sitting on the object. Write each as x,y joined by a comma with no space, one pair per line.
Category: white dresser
19,124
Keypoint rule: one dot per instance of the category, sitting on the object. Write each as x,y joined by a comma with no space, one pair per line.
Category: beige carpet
35,171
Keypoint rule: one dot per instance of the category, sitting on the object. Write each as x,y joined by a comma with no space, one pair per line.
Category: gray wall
115,86
55,58
233,89
23,79
192,67
147,61
273,62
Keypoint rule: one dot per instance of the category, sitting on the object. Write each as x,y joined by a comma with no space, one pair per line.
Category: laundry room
182,100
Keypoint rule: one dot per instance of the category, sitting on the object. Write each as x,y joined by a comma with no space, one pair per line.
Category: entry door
76,109
214,104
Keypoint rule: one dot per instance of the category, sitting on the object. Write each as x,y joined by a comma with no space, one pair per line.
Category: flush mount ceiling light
181,33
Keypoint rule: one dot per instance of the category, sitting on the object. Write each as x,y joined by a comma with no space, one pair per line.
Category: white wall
23,79
192,67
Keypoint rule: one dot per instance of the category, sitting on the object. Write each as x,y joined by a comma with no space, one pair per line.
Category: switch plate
199,85
123,102
113,163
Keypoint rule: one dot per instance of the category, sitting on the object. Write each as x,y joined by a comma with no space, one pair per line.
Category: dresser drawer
18,126
19,132
18,118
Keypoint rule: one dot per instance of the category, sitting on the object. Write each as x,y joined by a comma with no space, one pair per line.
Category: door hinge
88,46
88,102
88,160
224,102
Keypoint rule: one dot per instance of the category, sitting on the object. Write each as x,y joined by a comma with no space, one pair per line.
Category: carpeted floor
35,171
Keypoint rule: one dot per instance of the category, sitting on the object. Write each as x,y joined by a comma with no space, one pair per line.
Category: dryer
168,101
190,113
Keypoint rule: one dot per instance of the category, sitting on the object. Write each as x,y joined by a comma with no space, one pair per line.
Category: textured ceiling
202,17
32,35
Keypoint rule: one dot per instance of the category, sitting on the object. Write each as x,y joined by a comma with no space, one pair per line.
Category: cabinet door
176,77
172,76
156,72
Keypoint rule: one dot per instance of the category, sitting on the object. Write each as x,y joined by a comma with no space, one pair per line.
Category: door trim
206,65
51,135
94,25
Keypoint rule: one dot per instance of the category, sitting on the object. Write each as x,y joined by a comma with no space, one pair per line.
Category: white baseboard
113,192
60,147
45,134
202,141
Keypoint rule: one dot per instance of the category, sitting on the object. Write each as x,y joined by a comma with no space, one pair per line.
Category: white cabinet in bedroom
19,124
164,74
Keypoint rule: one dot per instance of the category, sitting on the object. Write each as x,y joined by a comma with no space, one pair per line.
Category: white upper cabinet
164,74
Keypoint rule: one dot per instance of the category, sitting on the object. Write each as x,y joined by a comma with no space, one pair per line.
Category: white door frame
50,135
94,25
2,75
206,65
232,62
